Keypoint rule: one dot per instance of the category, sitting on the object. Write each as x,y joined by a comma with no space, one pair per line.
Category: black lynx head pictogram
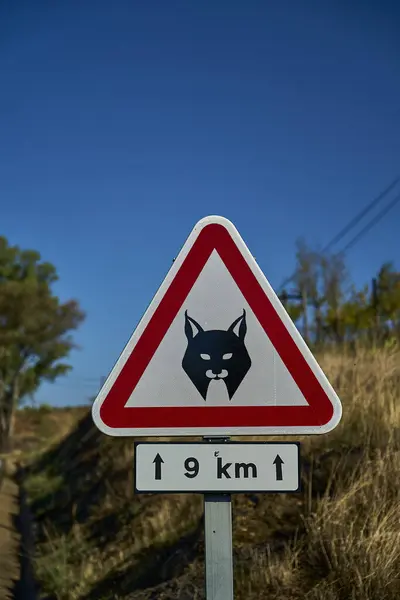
216,354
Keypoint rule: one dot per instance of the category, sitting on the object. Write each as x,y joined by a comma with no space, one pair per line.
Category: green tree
35,329
293,309
388,297
357,315
332,311
306,282
334,278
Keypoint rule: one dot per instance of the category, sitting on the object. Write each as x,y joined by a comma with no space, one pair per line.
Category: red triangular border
113,412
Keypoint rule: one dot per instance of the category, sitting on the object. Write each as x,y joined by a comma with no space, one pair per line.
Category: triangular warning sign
216,354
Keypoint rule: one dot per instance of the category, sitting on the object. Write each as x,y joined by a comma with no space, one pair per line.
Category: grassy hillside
38,427
340,539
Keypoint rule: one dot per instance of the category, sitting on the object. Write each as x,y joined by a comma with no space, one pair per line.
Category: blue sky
122,124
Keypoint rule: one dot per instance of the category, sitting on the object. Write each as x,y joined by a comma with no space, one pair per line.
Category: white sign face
217,467
214,303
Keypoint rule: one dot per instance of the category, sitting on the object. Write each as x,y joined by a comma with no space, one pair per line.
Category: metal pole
218,542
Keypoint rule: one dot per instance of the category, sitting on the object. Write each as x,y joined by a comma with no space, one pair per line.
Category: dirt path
16,582
9,539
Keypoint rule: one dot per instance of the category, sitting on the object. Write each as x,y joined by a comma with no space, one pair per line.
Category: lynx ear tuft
189,323
242,327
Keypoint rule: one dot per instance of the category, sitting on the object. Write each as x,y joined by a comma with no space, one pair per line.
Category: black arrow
278,462
157,461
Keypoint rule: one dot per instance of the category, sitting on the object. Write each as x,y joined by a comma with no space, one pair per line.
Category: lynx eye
205,356
227,356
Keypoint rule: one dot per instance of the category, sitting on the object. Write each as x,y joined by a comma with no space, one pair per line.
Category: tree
333,311
306,280
357,315
388,297
334,278
35,329
294,310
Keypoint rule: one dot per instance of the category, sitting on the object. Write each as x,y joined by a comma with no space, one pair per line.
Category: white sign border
220,431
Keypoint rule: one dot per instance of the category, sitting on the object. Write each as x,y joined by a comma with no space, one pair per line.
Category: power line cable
372,223
354,221
89,381
360,215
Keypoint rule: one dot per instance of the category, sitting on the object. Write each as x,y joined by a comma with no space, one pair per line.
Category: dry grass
350,547
37,428
350,541
339,540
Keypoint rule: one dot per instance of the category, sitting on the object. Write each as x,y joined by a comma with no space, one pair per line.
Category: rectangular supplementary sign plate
225,467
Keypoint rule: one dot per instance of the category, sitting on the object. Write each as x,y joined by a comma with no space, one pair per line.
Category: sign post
217,468
216,355
218,542
218,546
